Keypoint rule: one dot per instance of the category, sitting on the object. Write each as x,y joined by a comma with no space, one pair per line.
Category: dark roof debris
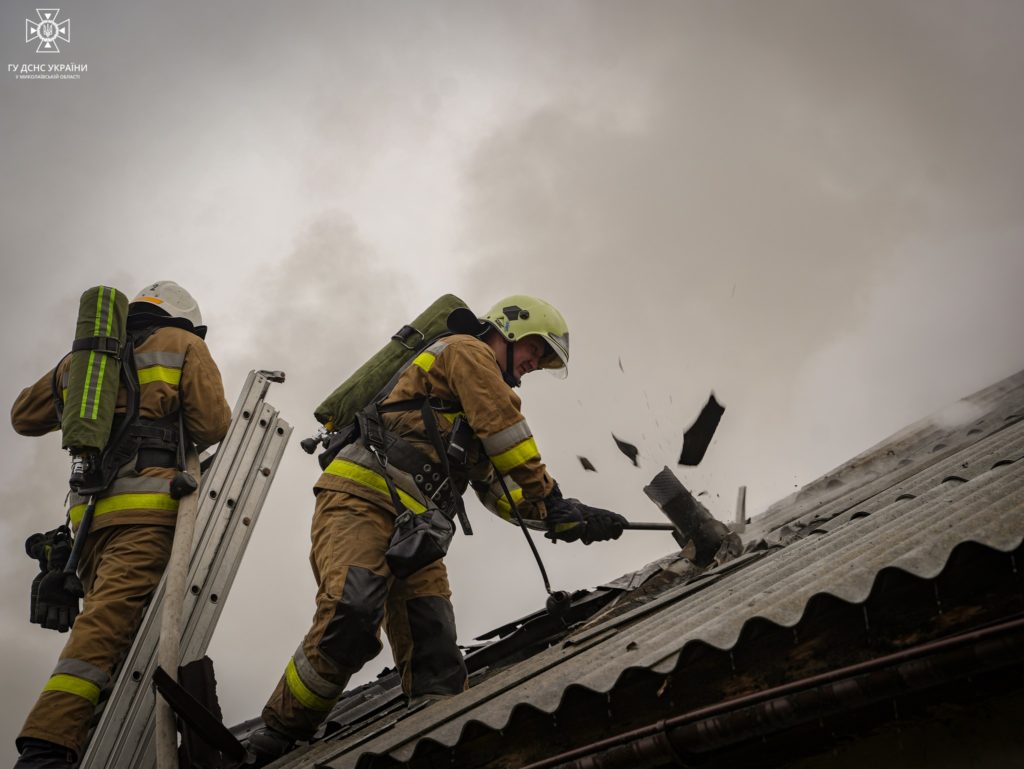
587,464
697,439
628,449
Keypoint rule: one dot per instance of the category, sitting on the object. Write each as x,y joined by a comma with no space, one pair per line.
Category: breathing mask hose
526,532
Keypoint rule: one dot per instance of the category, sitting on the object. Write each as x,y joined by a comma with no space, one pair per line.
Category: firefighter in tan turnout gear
389,496
133,522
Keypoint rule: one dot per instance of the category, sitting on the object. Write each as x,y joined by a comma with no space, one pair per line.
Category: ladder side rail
199,630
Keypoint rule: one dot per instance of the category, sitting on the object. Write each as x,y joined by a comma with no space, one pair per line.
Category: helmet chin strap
508,374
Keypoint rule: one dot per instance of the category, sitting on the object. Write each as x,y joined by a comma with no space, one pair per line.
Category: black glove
601,524
54,594
570,520
57,601
565,521
34,597
35,547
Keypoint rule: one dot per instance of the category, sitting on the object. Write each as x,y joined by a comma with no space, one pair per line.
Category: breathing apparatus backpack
87,408
377,376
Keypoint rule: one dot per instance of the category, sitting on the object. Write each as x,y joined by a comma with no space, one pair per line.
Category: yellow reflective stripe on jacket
302,692
343,468
425,360
117,502
516,456
506,439
160,374
503,508
79,687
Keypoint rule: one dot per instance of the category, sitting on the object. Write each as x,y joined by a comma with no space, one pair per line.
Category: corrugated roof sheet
958,486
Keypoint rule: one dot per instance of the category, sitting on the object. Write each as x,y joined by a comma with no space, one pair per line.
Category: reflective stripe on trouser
144,492
121,566
355,595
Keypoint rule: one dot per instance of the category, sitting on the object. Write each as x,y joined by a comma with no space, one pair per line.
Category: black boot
266,745
40,754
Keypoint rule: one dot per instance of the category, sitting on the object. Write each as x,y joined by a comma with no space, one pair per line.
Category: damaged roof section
896,553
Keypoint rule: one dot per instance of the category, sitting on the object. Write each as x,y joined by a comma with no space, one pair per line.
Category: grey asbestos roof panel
908,517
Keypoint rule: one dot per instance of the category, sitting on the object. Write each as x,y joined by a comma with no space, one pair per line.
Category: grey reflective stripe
159,358
83,670
140,484
503,440
315,682
356,452
437,348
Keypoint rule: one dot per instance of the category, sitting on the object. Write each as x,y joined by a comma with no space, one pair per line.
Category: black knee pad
350,640
437,663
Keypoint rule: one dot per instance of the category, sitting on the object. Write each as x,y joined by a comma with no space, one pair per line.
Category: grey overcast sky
811,207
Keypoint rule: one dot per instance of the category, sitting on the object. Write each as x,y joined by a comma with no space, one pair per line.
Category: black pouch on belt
418,541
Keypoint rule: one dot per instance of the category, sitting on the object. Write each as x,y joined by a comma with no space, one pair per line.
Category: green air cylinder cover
340,407
94,378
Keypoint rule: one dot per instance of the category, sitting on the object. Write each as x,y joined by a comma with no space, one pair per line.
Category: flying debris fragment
620,365
628,449
697,439
587,464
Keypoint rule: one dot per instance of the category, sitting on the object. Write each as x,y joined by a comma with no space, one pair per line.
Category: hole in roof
939,447
903,463
973,431
901,497
833,482
954,479
1003,463
860,514
1015,417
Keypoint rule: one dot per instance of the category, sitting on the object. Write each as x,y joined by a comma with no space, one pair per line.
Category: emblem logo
48,30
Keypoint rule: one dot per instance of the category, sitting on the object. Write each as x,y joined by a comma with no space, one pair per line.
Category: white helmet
165,298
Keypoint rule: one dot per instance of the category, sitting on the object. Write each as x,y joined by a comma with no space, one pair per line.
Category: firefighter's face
526,355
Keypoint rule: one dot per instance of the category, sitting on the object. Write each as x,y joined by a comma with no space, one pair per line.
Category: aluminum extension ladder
232,492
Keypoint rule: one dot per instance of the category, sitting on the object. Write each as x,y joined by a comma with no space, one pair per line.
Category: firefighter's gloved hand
570,520
565,522
56,601
600,524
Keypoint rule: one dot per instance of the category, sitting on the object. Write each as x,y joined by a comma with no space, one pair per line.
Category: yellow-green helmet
520,316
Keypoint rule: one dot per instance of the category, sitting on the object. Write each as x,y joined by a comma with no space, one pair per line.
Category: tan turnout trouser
356,593
120,568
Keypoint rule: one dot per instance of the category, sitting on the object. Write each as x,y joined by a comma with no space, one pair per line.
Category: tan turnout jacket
463,370
175,371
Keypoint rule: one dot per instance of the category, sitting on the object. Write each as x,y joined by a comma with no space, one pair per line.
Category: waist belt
156,458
